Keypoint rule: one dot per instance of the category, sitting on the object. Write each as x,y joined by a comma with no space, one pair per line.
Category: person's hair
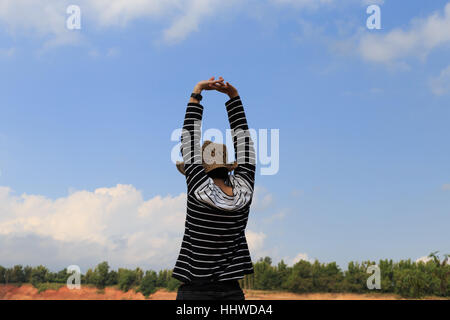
220,173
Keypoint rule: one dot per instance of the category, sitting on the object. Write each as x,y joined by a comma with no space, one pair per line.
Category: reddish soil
28,292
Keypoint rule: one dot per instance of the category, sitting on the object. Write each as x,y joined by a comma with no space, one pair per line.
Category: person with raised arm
214,253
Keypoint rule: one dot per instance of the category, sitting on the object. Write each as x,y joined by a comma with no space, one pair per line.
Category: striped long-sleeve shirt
214,246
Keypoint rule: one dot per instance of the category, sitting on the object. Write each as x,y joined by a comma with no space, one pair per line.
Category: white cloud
262,199
303,3
192,16
424,259
184,17
255,239
255,242
120,12
441,85
423,36
276,216
298,257
41,18
114,224
47,18
370,2
446,187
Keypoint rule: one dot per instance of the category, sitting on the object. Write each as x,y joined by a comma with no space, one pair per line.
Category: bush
410,283
101,275
89,278
39,275
2,274
127,279
113,278
173,284
17,274
48,286
148,283
300,280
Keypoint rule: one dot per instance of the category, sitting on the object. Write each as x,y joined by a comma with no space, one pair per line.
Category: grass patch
49,286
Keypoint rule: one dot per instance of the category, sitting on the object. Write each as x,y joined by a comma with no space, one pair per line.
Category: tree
441,271
300,280
326,277
173,284
113,278
139,275
161,280
27,273
101,275
405,277
2,274
17,275
410,283
148,283
355,278
62,276
127,279
89,278
39,275
266,276
284,271
387,275
7,275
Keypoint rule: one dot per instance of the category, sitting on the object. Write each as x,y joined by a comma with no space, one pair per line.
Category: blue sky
87,115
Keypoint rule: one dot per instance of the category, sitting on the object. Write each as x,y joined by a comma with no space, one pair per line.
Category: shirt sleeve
190,147
243,144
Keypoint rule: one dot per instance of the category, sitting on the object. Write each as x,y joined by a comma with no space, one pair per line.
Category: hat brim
229,166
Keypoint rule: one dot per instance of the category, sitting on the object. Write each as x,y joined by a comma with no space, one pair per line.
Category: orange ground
28,292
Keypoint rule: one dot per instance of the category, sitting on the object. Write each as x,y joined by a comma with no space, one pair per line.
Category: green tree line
406,278
101,276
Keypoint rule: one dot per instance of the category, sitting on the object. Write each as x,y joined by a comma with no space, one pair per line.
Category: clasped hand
218,85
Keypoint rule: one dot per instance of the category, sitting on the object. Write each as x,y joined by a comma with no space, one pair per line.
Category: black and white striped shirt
214,246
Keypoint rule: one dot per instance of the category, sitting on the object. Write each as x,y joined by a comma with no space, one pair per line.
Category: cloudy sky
87,120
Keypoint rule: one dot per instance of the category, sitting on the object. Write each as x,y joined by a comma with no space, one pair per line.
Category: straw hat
214,156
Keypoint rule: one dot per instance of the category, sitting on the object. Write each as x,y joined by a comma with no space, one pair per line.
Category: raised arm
244,150
243,144
190,138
